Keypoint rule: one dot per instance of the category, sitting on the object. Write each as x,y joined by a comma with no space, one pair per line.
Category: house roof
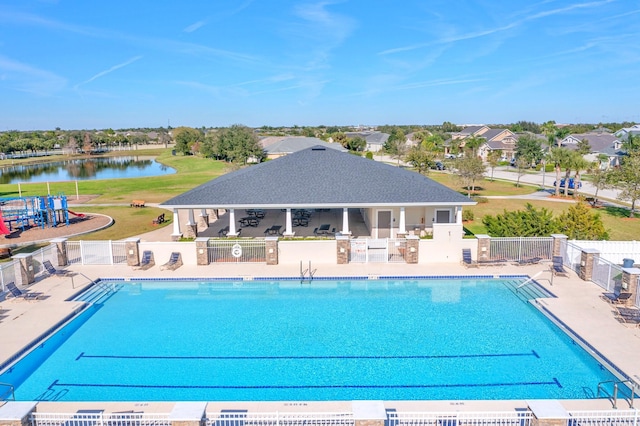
599,142
288,145
319,177
372,138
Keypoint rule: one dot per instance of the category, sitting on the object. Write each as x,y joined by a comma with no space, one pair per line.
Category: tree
631,144
558,157
470,170
549,129
599,178
530,222
185,137
529,148
627,179
472,144
238,144
522,164
493,158
580,223
420,158
356,144
583,147
578,163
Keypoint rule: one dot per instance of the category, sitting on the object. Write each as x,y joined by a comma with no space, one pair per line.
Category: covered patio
342,194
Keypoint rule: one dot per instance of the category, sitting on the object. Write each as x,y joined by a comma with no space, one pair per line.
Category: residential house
375,140
600,143
623,134
503,140
278,146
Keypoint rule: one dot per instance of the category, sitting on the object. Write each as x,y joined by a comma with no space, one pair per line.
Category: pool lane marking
554,382
304,357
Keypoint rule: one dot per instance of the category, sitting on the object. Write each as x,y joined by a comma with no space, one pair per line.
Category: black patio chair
557,267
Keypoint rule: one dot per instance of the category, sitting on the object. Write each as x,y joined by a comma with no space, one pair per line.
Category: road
547,180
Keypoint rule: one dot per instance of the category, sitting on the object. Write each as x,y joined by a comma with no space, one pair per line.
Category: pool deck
578,305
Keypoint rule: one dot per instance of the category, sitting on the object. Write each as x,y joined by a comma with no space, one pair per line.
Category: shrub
467,215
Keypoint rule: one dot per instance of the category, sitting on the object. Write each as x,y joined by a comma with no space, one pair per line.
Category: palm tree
579,164
558,157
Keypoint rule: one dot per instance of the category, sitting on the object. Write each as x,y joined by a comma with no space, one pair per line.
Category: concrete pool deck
578,305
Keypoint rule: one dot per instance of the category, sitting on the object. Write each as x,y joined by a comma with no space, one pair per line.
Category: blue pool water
331,340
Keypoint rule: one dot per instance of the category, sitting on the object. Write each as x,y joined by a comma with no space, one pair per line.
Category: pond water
85,169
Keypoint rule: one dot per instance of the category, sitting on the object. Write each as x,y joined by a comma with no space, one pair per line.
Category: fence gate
381,250
236,251
572,255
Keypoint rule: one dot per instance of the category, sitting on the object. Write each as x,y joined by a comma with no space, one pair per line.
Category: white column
176,223
192,219
288,223
402,228
232,222
203,212
345,221
458,215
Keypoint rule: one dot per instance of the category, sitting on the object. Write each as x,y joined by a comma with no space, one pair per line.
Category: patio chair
16,293
628,315
467,261
557,268
175,261
147,260
621,298
51,270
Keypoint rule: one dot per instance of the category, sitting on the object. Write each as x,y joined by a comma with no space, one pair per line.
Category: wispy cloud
196,25
26,78
109,71
499,29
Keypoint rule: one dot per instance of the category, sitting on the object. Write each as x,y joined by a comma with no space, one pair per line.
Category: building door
384,223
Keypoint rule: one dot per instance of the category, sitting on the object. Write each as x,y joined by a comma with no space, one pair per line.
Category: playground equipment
25,212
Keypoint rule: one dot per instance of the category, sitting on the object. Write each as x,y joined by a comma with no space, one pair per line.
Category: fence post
16,413
271,250
484,248
202,251
343,247
413,249
630,282
61,250
558,241
25,273
548,413
587,259
132,248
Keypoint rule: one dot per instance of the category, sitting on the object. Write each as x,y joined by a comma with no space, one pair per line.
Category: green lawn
193,171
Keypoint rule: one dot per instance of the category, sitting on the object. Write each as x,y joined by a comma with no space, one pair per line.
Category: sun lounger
16,293
175,261
147,260
467,261
621,298
557,268
628,315
53,271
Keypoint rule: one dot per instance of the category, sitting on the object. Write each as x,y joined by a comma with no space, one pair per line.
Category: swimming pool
403,339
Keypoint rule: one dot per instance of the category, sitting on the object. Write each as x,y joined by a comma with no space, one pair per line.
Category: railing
571,255
604,418
7,273
497,418
606,274
96,252
520,249
8,392
100,418
616,389
382,250
236,251
280,419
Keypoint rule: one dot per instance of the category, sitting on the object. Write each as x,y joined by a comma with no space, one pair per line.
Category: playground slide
3,227
76,214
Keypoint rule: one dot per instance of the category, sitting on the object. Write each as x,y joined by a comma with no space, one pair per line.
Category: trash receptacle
627,263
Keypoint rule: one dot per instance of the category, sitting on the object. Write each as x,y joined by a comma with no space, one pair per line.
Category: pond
85,169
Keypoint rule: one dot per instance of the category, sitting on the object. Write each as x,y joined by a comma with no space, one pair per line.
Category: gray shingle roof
292,144
317,177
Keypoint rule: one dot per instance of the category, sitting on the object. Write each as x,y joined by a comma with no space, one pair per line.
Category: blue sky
116,64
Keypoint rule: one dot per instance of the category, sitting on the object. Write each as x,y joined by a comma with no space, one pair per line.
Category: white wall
431,251
293,251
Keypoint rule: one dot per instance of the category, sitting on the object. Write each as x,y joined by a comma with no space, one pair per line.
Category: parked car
438,165
571,184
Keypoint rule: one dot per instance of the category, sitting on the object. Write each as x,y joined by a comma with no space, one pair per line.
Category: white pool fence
522,417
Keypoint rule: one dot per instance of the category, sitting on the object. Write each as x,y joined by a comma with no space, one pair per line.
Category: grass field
193,171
